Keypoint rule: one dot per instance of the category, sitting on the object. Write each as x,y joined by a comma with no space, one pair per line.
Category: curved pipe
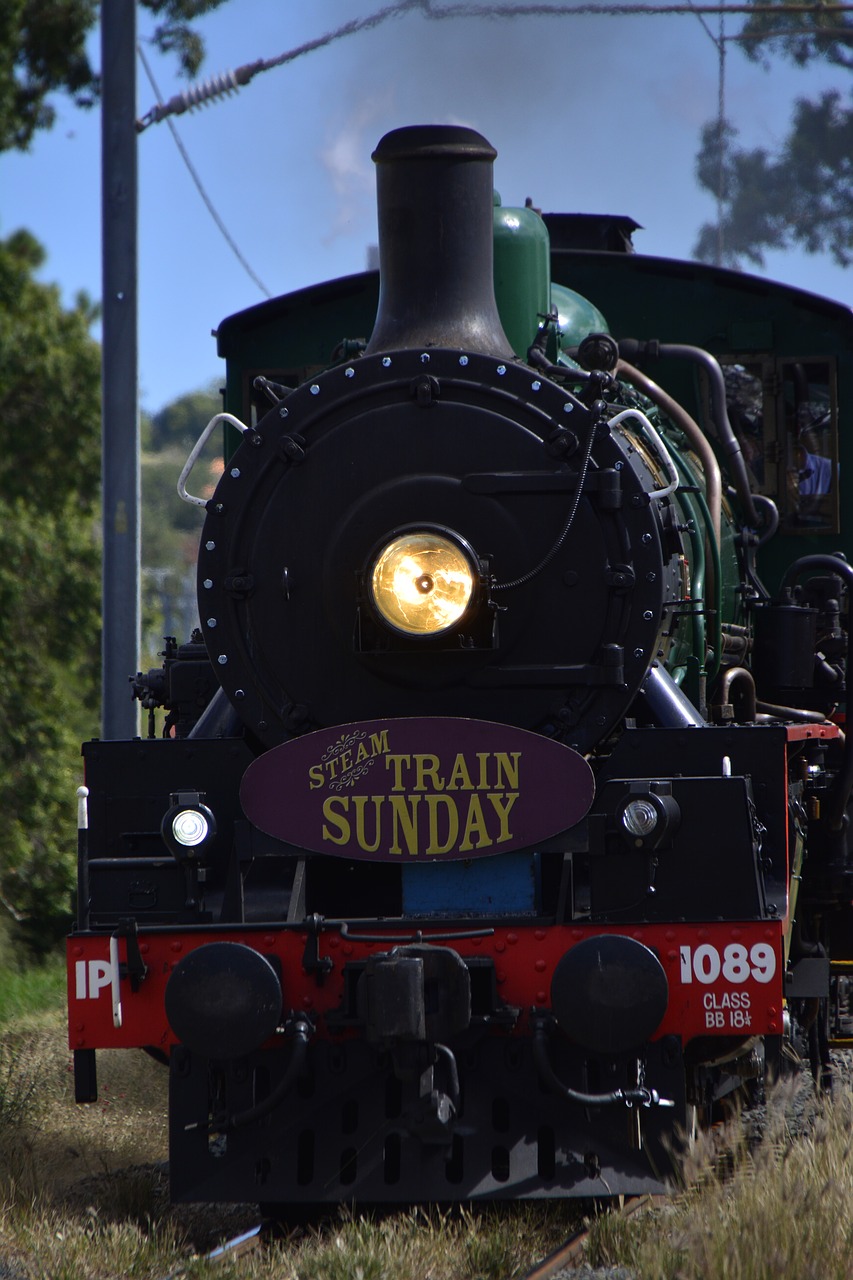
682,419
739,676
844,781
719,409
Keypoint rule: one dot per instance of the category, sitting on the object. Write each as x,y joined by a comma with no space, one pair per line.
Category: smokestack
435,200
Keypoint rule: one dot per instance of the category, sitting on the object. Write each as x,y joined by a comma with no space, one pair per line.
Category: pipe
669,706
725,434
739,675
698,440
844,780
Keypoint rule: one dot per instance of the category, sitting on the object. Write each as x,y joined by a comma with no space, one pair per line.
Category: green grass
32,990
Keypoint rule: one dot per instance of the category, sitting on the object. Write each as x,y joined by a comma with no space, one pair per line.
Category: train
492,829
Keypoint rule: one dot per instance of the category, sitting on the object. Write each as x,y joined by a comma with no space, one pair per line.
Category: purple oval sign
423,788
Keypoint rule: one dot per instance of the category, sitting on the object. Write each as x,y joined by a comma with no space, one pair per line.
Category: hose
630,1097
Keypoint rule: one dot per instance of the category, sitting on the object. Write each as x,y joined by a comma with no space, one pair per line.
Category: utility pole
119,373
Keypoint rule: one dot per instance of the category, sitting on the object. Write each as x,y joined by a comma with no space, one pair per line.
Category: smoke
346,159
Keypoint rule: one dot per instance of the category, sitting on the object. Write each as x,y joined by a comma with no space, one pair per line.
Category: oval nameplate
425,788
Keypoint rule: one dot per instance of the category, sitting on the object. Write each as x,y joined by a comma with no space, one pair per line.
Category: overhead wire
191,169
230,81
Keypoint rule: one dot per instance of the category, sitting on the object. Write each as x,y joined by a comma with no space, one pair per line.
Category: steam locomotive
497,830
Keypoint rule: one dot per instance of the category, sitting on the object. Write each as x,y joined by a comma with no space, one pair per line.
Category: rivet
646,538
207,584
539,935
568,407
501,370
540,966
211,622
424,358
315,390
541,997
463,360
239,693
651,576
648,615
235,473
210,546
617,466
386,362
500,945
222,659
535,386
349,373
282,413
512,939
177,946
638,653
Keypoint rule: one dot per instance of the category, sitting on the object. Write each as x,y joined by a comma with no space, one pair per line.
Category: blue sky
589,114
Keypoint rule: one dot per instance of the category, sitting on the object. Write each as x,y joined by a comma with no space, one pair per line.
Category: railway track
569,1254
563,1259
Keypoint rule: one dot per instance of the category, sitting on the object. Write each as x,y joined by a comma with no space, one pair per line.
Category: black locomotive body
499,828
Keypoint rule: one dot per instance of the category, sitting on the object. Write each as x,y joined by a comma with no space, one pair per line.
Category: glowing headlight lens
422,583
639,818
189,827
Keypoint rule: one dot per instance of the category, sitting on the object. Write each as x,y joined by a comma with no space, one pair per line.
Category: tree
49,584
802,194
43,51
170,527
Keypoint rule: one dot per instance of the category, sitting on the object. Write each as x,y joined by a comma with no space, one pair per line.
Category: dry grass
781,1206
84,1194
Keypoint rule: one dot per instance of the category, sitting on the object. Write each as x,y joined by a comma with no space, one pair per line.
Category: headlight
422,583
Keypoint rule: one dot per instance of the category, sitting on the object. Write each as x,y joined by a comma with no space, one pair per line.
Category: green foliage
43,51
49,586
170,527
800,195
825,33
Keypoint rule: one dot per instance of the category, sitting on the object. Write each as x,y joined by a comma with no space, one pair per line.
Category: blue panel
505,885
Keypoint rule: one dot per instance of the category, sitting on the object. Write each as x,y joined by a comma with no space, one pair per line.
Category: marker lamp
190,827
639,818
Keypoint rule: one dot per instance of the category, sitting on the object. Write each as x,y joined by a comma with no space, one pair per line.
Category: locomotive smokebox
435,201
